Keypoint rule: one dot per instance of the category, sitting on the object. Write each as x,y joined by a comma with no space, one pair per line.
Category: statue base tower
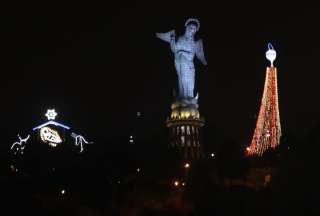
184,126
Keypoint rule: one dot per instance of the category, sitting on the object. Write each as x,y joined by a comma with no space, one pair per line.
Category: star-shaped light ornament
51,114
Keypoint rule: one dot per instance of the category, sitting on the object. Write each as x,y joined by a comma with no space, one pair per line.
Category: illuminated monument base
184,126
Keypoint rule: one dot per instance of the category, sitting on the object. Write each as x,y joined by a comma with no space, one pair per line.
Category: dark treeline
108,183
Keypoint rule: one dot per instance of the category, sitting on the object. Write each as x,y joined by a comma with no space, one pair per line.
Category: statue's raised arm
167,36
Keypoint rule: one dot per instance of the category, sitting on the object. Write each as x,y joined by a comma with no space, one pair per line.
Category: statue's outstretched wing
166,36
200,52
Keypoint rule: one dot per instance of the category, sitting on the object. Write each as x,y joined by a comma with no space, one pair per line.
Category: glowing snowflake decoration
51,114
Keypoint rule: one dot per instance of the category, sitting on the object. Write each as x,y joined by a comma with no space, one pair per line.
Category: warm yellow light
267,135
176,183
53,144
50,135
186,165
268,128
248,148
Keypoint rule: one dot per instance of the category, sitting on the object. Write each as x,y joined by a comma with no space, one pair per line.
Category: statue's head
192,26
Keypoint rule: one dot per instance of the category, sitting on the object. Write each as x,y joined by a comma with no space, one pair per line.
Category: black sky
98,67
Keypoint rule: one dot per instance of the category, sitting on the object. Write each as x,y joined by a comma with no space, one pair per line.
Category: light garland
268,128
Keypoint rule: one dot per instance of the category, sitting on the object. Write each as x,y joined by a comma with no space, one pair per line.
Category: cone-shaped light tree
268,129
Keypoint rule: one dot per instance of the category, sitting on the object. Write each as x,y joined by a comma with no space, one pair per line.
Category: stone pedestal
184,126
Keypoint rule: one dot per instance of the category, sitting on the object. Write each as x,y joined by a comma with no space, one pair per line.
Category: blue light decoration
270,47
50,134
51,123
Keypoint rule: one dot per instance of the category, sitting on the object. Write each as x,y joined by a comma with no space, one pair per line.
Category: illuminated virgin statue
184,49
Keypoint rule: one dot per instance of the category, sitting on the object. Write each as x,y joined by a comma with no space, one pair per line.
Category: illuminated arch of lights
49,134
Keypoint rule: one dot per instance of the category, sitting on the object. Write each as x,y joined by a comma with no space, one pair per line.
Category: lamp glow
271,54
186,165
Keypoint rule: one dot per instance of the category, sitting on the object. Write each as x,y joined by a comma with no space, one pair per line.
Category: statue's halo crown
193,20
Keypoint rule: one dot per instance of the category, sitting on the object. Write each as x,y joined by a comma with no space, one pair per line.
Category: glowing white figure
79,140
184,49
21,143
271,54
51,114
49,135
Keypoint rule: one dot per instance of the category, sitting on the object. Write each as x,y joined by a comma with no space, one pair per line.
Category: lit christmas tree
268,129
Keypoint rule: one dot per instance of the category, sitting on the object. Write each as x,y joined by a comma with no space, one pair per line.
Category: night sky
97,68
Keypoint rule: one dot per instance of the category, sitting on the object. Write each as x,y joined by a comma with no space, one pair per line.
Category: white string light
79,140
21,142
51,114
